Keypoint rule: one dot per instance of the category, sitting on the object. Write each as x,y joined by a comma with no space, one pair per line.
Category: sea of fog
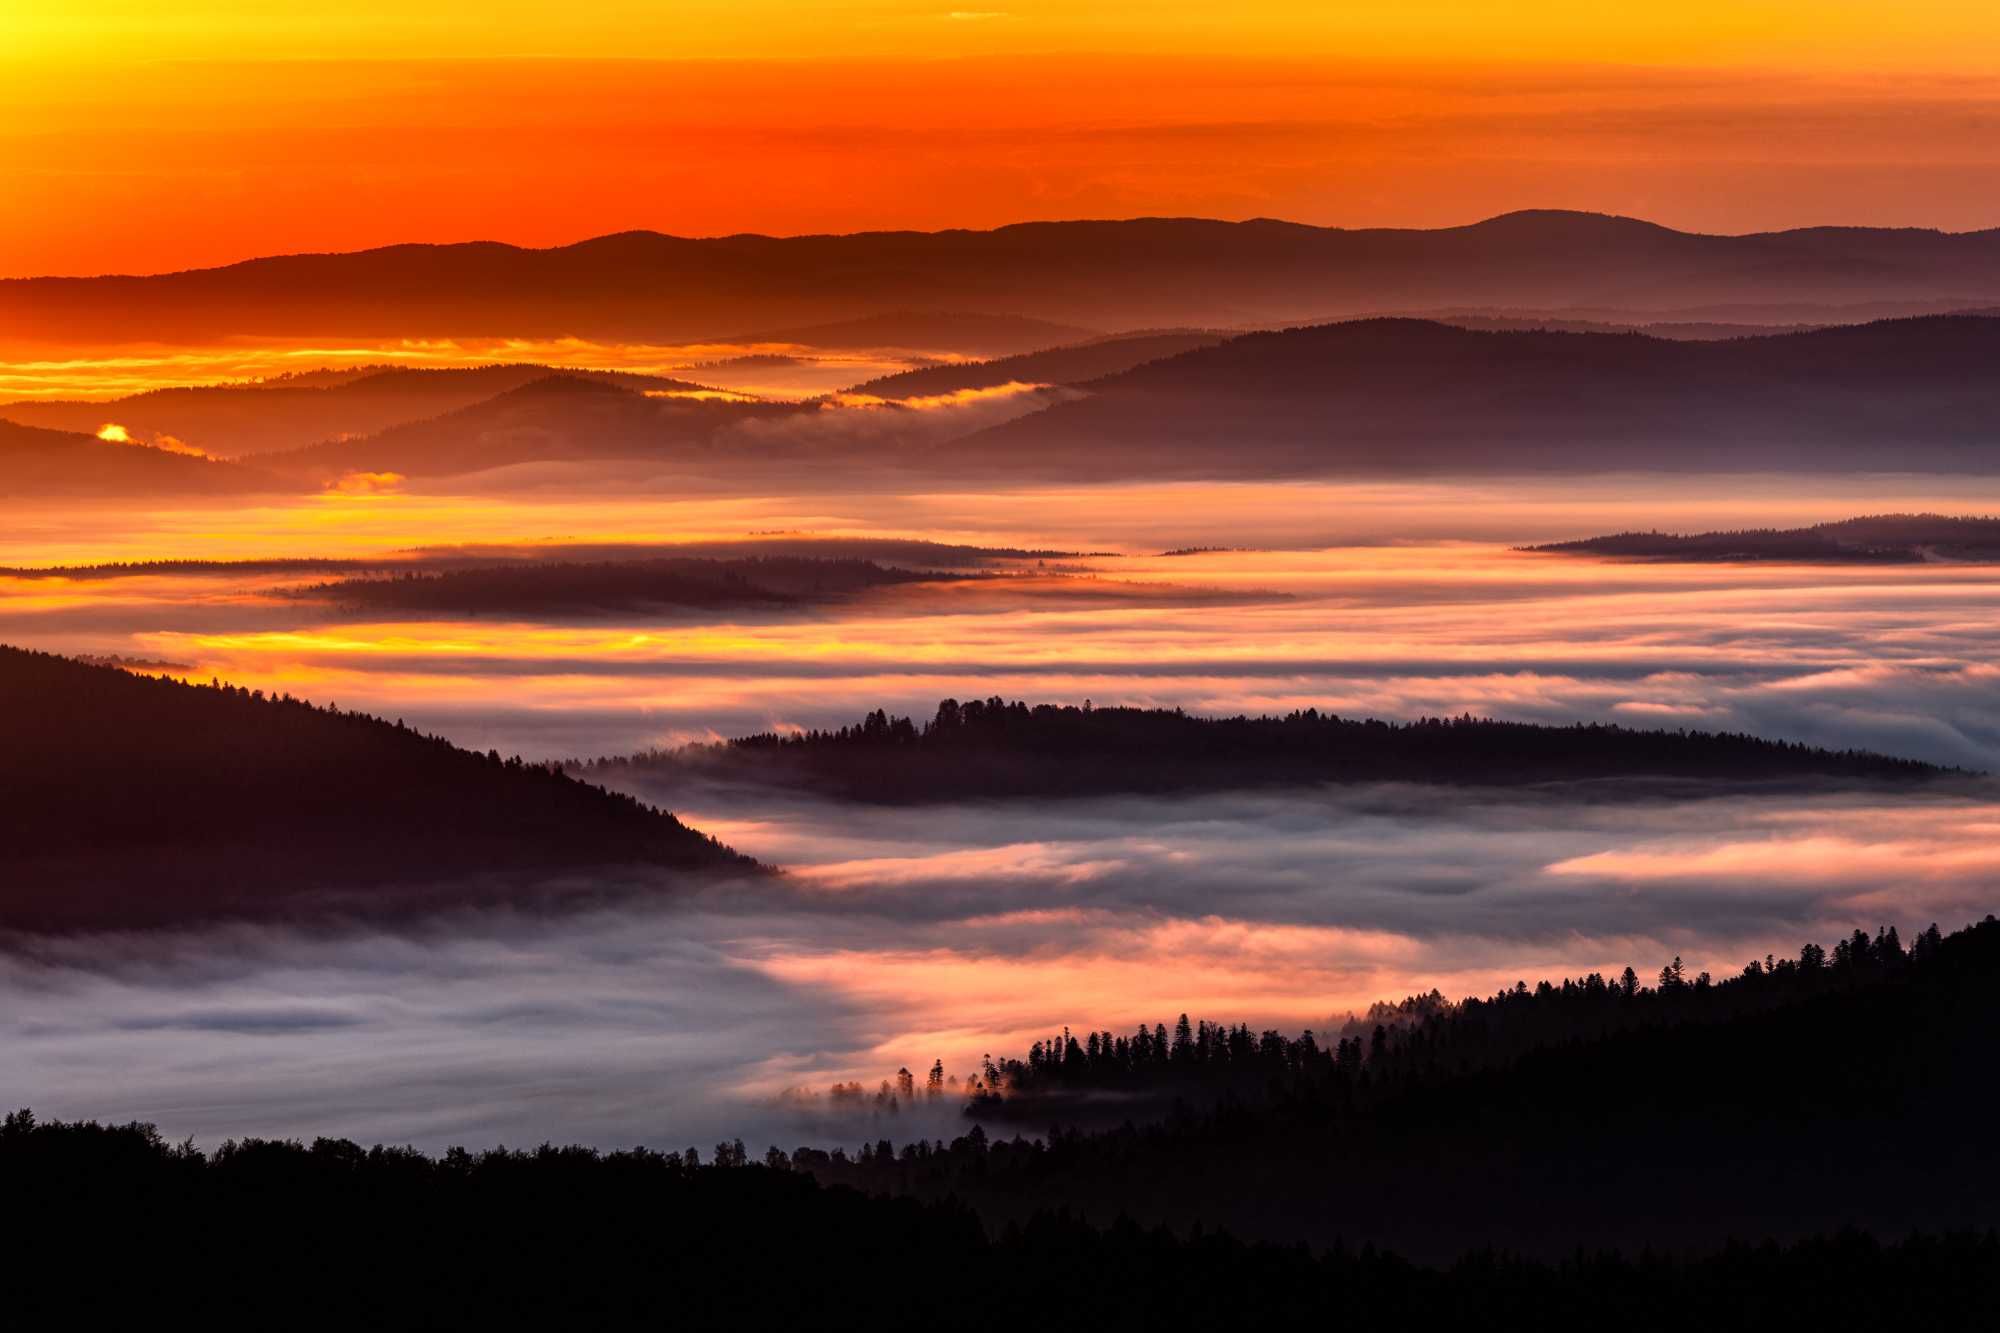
899,937
946,933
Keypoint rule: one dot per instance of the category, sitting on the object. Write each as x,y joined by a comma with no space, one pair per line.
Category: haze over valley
1376,702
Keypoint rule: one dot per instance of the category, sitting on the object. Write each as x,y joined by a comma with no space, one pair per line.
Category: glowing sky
142,136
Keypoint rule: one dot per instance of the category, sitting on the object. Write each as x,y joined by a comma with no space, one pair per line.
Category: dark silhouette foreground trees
1808,1146
110,1223
1843,1088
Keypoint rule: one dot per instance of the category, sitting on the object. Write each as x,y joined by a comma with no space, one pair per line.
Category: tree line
998,748
112,1223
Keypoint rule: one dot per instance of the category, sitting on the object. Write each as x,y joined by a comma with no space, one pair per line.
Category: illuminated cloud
369,483
114,433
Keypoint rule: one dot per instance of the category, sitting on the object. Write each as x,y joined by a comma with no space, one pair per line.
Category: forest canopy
1001,748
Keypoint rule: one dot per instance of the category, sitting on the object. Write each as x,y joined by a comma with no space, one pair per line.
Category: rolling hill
1403,396
233,419
1073,364
49,464
130,801
558,417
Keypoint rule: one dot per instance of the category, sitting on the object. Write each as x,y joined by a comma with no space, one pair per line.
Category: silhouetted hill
571,1237
37,463
1880,539
1000,749
1141,273
555,418
927,330
1391,395
573,588
227,419
1839,1089
130,801
1057,365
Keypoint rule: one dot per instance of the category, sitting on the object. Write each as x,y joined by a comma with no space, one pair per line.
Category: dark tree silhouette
131,800
997,748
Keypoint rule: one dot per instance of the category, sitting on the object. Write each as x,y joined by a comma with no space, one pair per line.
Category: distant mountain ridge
234,419
1073,364
954,330
557,418
49,464
1142,272
1412,396
1379,396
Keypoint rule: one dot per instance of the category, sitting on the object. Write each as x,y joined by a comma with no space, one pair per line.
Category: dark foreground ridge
1803,1147
131,801
1000,749
1881,539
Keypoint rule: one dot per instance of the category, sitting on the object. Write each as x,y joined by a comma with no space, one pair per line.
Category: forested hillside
132,801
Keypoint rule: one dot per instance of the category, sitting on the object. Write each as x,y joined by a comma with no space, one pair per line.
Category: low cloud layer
948,933
904,936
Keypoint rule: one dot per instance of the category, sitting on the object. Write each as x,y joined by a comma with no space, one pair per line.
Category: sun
114,433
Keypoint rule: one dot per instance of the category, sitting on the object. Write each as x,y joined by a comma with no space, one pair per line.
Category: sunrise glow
744,664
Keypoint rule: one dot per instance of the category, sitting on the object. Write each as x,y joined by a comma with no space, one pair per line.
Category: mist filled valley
1389,755
644,1003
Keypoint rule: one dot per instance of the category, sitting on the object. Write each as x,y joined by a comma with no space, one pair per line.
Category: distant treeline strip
566,587
997,748
1879,539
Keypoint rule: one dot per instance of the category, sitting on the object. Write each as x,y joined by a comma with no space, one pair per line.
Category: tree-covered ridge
1876,539
1418,1039
609,586
997,748
132,800
1850,1088
331,1234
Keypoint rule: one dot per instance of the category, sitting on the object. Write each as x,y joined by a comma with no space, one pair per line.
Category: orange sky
144,136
